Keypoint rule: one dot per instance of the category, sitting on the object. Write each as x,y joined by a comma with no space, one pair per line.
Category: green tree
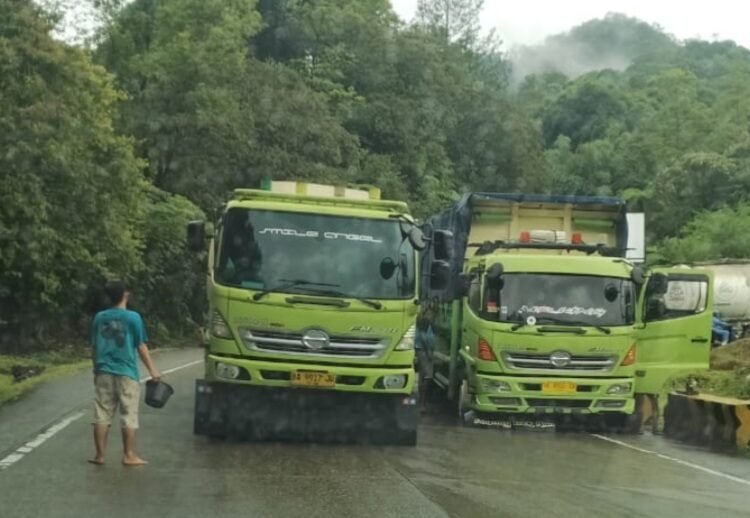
171,283
697,182
588,109
70,184
207,116
454,20
720,234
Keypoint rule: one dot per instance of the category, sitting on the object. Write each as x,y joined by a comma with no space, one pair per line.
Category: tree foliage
454,20
720,234
70,183
106,153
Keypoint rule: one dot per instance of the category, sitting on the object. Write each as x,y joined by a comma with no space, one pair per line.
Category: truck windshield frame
259,248
565,299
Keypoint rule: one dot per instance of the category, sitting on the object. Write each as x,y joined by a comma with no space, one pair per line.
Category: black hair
115,291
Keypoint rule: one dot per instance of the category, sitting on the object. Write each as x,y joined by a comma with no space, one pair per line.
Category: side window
685,296
475,295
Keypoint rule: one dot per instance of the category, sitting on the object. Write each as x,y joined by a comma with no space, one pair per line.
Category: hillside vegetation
108,148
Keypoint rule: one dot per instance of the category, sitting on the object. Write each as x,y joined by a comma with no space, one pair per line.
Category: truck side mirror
417,239
442,242
464,285
495,272
196,236
439,274
638,276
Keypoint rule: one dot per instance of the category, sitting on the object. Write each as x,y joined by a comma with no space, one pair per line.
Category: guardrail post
708,420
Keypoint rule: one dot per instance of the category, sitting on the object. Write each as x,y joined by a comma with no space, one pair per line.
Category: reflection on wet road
454,471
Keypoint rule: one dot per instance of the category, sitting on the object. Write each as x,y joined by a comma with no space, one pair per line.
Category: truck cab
541,335
538,312
312,293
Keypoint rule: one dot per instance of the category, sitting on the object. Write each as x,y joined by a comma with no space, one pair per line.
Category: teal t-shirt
115,336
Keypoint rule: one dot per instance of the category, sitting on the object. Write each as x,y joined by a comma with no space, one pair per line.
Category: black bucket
158,393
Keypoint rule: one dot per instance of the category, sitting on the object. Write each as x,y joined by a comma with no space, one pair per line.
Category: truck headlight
619,388
227,371
407,341
219,327
394,381
489,385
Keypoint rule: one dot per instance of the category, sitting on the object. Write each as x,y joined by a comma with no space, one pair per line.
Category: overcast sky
530,21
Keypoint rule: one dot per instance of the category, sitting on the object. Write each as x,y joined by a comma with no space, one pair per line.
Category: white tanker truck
732,293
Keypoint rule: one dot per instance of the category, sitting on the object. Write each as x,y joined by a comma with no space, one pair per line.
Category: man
424,344
241,259
721,331
117,334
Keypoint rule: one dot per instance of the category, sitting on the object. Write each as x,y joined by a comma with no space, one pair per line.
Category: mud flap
263,413
209,417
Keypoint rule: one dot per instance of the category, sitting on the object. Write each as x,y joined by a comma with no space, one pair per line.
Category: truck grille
291,343
558,403
543,361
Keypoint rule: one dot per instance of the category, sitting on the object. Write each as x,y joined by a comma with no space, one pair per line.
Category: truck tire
217,436
406,438
619,423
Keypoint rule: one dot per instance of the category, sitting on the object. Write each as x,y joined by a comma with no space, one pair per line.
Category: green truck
538,313
312,297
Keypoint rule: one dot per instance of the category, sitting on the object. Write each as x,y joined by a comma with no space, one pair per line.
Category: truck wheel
634,423
217,436
406,438
616,423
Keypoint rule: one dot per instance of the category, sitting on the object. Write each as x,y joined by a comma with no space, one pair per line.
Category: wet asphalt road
454,471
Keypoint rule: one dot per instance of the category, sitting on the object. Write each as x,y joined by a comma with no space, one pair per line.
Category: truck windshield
560,299
358,257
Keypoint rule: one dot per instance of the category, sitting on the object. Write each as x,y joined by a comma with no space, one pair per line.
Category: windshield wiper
335,293
518,325
290,283
523,323
556,320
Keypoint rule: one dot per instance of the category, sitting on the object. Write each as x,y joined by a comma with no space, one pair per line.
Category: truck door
674,334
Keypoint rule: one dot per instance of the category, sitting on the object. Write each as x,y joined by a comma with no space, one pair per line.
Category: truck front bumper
264,373
545,395
282,413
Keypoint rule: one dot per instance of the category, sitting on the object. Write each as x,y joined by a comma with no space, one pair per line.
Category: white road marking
675,460
169,371
53,430
40,439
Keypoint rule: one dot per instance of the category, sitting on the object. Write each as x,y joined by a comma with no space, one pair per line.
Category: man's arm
148,362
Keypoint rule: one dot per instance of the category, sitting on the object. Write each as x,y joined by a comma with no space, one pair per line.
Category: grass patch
55,363
729,375
59,362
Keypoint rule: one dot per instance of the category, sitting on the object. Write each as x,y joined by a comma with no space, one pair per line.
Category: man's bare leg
129,458
100,442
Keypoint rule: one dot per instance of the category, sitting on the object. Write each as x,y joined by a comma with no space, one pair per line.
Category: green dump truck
313,297
537,312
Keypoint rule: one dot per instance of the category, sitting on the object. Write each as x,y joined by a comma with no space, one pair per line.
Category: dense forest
110,142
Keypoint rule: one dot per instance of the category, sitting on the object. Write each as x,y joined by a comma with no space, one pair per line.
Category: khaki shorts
113,393
425,365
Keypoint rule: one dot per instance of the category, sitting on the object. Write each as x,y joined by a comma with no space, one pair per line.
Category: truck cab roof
563,265
319,204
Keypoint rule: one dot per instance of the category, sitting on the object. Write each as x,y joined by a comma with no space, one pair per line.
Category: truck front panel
311,302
